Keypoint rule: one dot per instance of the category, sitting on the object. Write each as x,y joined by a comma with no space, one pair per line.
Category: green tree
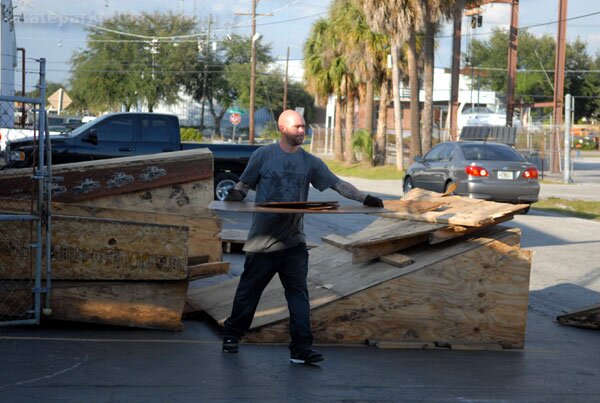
535,69
227,76
116,69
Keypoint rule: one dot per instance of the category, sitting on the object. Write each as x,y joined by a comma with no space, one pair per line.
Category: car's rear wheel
408,185
223,182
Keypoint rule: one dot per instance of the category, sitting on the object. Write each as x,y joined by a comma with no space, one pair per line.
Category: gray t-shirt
278,176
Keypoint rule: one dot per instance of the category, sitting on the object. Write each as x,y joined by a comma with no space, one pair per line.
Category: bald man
281,172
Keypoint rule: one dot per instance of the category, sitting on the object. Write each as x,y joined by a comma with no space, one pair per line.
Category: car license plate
505,175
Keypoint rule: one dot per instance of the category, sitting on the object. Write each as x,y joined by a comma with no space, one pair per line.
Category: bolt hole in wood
112,242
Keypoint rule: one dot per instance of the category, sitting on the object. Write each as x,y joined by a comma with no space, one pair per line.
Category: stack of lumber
433,272
128,234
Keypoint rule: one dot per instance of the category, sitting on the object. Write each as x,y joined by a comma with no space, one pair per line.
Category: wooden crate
472,291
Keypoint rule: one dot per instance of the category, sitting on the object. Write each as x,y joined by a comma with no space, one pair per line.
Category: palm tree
323,72
400,20
363,51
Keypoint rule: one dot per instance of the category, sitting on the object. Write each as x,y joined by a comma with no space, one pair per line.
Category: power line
527,26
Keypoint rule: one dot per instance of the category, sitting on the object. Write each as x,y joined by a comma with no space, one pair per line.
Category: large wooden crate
465,292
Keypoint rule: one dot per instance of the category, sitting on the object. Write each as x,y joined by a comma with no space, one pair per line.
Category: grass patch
575,208
364,170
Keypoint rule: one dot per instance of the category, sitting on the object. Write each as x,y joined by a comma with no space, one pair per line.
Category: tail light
475,170
530,173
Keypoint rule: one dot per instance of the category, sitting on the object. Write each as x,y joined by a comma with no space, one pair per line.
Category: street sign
235,119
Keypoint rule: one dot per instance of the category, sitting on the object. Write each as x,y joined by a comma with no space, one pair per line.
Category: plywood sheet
189,198
203,228
99,249
477,297
151,305
251,207
93,179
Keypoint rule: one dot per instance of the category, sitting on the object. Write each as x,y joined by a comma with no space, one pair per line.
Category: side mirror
91,137
419,159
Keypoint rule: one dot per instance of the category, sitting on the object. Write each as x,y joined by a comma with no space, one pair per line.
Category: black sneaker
307,356
230,344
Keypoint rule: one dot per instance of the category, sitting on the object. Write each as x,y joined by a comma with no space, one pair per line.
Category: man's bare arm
349,191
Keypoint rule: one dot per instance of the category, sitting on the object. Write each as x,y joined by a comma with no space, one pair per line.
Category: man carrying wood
282,172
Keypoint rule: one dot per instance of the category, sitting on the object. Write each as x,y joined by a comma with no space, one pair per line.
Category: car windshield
477,109
489,152
83,127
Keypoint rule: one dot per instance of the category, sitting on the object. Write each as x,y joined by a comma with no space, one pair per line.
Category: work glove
234,194
371,201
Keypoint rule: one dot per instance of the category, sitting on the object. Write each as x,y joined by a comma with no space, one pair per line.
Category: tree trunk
216,117
337,130
397,107
368,107
427,118
413,73
349,154
380,143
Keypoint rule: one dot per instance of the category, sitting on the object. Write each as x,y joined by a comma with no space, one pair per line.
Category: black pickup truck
127,134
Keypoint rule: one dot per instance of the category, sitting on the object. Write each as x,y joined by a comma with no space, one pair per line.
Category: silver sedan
481,170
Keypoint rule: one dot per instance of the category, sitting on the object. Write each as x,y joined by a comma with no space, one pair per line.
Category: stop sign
235,118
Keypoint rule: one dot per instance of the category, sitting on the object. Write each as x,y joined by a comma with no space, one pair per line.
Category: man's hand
371,201
234,194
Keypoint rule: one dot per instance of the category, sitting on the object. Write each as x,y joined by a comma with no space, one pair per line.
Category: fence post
567,141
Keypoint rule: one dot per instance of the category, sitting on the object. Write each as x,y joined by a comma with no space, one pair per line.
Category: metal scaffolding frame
41,214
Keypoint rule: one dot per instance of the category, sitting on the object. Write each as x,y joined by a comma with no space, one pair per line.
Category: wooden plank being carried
93,179
203,229
98,249
151,305
454,210
251,207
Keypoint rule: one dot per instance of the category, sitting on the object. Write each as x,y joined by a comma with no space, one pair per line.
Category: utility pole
285,85
253,39
204,81
455,75
512,62
559,82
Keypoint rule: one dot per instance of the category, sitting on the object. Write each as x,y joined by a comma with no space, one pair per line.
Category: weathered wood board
588,318
151,305
98,249
453,210
251,207
203,229
382,237
204,270
189,198
93,179
473,291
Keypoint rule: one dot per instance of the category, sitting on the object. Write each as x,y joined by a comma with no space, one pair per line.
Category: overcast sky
55,29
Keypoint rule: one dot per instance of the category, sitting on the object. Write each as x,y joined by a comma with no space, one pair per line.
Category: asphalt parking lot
78,362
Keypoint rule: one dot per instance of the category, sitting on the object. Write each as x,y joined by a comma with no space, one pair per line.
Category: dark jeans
259,268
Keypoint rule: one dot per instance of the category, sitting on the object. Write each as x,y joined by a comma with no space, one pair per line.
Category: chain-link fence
540,145
25,225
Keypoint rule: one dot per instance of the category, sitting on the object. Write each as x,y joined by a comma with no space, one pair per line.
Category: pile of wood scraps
434,270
